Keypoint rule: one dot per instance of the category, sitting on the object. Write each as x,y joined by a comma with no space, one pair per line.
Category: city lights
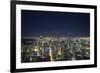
41,49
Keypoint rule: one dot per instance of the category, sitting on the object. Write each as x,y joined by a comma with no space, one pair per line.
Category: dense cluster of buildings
41,49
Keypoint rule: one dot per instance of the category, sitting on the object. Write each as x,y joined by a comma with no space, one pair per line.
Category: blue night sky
36,23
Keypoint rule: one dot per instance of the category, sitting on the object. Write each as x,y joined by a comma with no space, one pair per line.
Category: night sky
36,23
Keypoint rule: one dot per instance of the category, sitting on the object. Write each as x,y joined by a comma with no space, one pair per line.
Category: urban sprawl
48,49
